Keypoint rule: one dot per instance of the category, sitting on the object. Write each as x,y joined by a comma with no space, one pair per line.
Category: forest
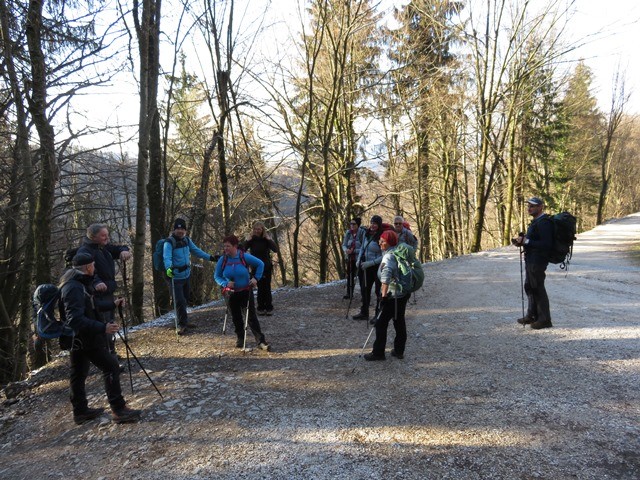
450,113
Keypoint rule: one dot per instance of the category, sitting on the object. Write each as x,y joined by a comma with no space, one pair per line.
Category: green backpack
411,272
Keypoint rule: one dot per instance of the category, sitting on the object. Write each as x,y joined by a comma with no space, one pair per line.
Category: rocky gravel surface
477,396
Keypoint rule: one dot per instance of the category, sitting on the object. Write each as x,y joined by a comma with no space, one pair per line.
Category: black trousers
351,274
237,307
80,361
265,300
392,309
538,301
368,277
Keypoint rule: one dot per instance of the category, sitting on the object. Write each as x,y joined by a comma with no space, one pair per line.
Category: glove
384,300
367,264
169,272
214,258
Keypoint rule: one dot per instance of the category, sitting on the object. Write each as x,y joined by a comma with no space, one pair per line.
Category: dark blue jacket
81,312
540,236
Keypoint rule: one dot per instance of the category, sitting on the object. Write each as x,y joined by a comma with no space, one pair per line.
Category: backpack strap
171,239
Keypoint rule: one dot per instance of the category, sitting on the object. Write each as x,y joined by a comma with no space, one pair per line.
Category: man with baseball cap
177,263
537,244
90,343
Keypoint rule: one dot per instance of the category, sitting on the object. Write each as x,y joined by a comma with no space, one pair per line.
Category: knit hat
390,237
377,219
358,220
80,259
179,223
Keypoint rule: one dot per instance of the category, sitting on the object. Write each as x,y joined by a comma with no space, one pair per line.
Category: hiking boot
239,343
526,320
268,313
264,346
191,326
371,357
261,311
88,414
539,324
361,316
126,415
399,356
346,297
181,330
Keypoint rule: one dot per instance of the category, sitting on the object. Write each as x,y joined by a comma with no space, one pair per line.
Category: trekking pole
349,279
125,283
246,322
126,339
365,343
522,285
175,307
351,296
126,344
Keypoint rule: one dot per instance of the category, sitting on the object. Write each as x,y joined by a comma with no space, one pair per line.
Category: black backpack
564,233
46,300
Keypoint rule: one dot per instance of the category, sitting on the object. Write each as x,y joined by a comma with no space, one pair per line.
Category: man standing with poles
177,263
90,343
537,244
351,249
233,275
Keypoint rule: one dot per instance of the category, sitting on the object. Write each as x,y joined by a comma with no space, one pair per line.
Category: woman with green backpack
394,296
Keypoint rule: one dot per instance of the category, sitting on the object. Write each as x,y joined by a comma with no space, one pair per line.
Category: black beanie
80,259
358,221
377,219
179,223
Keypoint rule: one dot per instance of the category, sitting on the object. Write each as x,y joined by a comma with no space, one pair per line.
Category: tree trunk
147,31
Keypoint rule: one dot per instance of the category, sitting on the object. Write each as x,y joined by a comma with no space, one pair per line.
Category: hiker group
380,255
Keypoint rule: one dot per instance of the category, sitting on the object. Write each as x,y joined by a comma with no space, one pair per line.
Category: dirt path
477,395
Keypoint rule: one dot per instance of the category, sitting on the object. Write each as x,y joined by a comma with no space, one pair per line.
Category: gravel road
477,396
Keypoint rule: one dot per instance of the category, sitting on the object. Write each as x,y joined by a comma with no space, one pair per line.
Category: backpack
158,253
46,299
411,272
242,260
564,233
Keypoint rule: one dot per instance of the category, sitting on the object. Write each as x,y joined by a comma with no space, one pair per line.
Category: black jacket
540,235
105,265
81,313
261,247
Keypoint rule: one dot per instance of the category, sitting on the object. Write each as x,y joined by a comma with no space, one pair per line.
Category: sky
608,34
611,32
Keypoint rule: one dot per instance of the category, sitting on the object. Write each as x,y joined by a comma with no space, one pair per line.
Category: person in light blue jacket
233,274
177,263
369,257
351,249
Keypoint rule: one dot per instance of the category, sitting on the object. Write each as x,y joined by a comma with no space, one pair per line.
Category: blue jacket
389,274
179,258
234,271
370,250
